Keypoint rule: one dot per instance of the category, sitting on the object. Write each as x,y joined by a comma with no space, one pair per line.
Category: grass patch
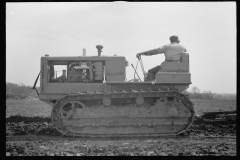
28,108
205,105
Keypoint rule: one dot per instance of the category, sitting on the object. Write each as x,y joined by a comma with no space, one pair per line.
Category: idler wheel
68,109
106,101
139,100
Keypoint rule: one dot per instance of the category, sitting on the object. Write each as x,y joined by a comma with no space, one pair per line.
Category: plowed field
30,133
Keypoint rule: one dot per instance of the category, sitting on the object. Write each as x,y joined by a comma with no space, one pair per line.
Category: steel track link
100,95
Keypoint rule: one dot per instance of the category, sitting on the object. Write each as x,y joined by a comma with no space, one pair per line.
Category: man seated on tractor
173,53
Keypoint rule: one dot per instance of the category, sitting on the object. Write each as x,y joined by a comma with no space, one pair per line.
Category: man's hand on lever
138,55
142,53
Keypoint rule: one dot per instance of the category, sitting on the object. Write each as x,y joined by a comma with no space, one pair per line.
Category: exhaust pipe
99,48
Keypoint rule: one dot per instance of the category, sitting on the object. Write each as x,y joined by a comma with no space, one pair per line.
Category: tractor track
107,96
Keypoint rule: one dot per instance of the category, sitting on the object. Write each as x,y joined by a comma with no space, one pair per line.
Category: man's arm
153,51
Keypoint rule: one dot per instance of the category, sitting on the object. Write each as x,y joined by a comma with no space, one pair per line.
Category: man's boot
150,77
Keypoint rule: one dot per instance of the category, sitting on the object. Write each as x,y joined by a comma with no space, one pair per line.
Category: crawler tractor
93,99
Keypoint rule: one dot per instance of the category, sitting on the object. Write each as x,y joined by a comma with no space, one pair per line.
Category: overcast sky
206,29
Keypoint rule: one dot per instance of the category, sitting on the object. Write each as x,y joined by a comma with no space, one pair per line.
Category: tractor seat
181,66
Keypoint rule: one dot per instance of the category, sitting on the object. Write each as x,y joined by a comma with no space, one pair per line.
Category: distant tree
225,96
217,96
196,92
208,94
10,87
19,89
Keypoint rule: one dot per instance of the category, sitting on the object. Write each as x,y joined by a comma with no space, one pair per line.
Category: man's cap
174,38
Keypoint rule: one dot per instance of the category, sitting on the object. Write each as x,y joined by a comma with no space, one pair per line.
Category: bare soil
31,133
60,146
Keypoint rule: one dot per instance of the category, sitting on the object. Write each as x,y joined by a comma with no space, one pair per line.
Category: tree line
20,89
195,93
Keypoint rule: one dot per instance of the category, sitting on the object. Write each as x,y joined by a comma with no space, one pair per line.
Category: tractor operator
173,53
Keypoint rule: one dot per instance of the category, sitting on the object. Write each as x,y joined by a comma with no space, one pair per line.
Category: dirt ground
36,136
59,146
30,132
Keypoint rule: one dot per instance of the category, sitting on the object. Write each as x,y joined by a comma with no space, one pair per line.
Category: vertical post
84,52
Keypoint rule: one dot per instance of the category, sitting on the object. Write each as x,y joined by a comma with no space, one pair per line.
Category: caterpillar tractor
93,99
